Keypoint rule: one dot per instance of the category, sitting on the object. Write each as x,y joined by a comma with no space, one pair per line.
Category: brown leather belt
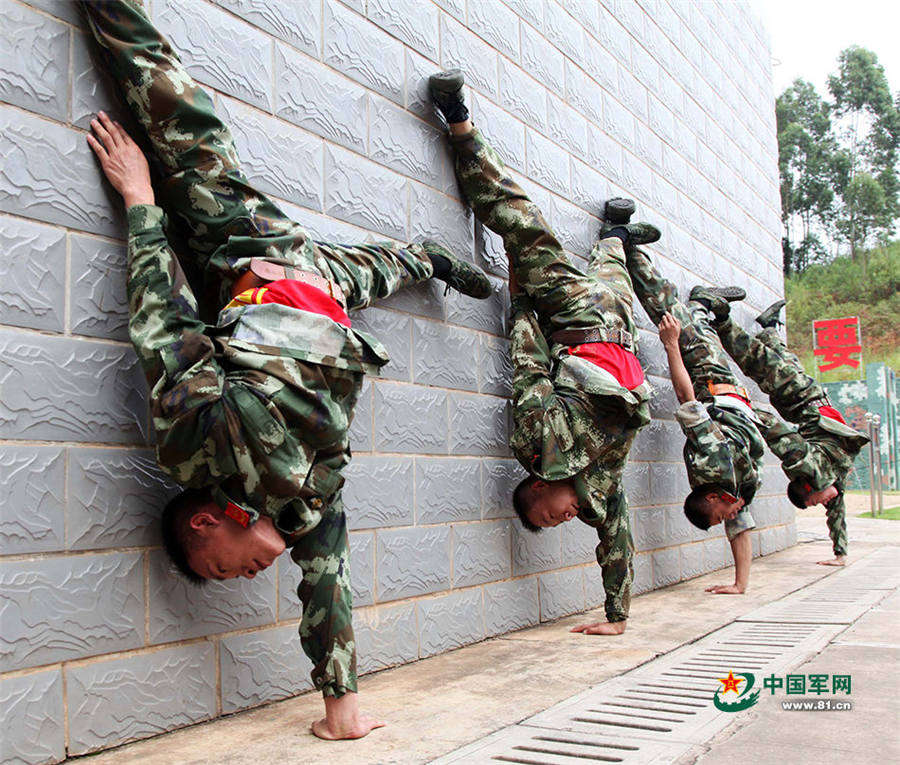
723,389
264,271
573,337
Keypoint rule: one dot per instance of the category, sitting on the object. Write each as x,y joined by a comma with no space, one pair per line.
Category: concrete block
648,148
632,94
668,483
562,593
522,95
363,193
445,356
412,562
543,61
378,492
589,188
362,425
66,608
299,24
206,43
636,483
180,611
61,9
393,330
604,153
485,315
576,229
536,551
566,127
422,299
362,567
666,567
481,552
585,11
115,498
505,133
315,98
511,605
579,543
618,122
495,366
385,636
406,144
34,68
433,215
93,87
33,718
262,666
490,252
649,528
637,177
479,425
679,529
692,560
497,25
57,389
414,23
715,555
362,51
410,419
277,158
49,174
450,621
498,479
530,10
662,401
139,695
98,303
32,486
643,574
601,64
32,275
564,31
584,94
447,490
464,50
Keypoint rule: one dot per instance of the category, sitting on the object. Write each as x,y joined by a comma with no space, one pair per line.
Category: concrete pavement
439,704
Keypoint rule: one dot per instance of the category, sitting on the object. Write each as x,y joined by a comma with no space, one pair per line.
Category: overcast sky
807,36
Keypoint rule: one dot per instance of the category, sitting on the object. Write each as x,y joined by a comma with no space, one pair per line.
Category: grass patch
889,514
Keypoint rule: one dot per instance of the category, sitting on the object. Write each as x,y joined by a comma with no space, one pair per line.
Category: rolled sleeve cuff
690,414
143,218
742,522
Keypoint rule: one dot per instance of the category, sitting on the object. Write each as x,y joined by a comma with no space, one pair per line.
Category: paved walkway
437,705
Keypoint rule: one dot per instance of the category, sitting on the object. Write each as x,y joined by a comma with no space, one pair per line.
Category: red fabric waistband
620,363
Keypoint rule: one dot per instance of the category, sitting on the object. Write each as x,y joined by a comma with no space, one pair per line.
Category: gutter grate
658,712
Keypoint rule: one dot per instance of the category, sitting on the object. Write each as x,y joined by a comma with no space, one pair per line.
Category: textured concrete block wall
669,102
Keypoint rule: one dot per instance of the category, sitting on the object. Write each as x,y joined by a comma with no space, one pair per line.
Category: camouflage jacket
567,412
234,413
820,458
723,447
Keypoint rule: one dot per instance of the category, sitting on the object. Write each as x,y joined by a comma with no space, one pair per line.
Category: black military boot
617,213
446,90
463,277
771,317
716,299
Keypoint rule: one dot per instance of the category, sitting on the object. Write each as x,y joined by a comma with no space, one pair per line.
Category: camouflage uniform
260,405
723,445
573,420
821,450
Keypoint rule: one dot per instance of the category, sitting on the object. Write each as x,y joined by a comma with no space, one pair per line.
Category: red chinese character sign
838,340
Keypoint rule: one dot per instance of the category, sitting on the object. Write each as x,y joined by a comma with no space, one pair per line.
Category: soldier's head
709,505
541,504
204,543
801,494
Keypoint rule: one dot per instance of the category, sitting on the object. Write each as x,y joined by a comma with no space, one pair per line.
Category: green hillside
846,288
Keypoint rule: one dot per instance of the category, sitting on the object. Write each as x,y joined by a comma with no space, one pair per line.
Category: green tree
870,128
806,163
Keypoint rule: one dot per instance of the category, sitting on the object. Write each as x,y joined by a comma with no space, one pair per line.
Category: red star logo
731,682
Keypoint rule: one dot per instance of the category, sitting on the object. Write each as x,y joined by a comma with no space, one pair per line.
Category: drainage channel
661,710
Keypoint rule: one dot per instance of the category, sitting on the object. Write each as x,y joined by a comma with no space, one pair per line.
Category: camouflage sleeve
186,383
798,459
709,458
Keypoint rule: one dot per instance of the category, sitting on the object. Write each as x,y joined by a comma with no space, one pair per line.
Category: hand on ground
122,160
725,589
600,628
838,560
362,726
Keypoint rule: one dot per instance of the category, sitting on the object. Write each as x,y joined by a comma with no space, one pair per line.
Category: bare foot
725,589
364,725
838,560
600,628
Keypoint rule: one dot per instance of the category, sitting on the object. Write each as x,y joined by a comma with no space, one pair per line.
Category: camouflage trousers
225,222
223,219
795,395
563,296
701,349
